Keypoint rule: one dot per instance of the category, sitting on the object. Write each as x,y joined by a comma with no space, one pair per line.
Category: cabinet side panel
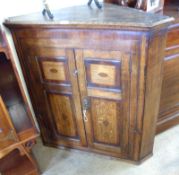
152,90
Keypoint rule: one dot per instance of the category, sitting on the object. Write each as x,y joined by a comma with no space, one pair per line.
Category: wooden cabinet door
55,95
104,87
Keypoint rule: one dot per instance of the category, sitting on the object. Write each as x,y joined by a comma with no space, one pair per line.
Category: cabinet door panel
104,85
54,70
105,121
63,114
56,100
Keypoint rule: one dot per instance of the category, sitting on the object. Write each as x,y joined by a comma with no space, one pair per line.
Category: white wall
10,8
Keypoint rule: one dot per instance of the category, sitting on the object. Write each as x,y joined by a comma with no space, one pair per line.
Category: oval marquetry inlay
103,74
64,117
53,70
106,123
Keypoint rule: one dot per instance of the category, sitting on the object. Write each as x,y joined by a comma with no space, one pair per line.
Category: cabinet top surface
109,15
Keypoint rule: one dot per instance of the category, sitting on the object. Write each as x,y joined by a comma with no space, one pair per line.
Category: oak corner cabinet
94,77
